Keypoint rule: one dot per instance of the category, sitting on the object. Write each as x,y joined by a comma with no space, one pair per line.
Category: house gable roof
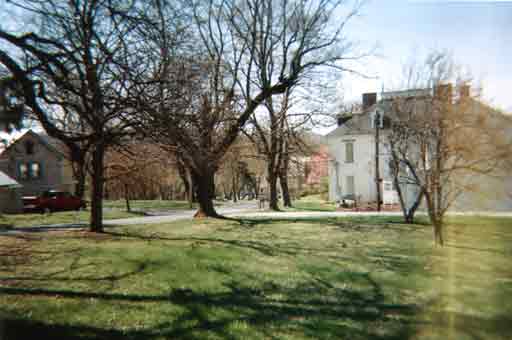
359,123
48,142
356,124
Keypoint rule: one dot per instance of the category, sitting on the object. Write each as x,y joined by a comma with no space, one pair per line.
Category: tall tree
73,66
276,134
267,133
250,50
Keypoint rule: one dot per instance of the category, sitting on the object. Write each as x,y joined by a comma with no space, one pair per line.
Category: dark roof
357,123
52,144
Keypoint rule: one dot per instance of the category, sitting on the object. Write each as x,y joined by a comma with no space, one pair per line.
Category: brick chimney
443,92
464,91
369,99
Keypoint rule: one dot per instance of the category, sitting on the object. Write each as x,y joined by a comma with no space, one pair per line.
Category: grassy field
312,203
112,210
145,205
364,278
36,219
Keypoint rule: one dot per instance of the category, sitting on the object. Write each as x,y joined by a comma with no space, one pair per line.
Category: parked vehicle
347,201
53,200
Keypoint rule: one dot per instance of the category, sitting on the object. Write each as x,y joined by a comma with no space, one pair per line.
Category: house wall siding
55,170
363,167
360,168
10,200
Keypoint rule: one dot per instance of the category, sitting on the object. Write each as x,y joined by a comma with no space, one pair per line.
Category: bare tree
249,50
404,157
429,141
73,67
234,176
141,170
267,133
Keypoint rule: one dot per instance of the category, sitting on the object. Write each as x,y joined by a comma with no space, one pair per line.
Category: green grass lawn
112,210
312,203
357,278
144,205
35,219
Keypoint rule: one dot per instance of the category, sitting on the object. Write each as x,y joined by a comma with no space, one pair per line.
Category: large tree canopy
244,53
73,67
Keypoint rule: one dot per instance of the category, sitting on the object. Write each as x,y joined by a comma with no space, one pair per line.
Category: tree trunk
78,165
80,185
96,222
283,180
272,183
233,187
409,217
257,183
186,178
127,198
435,218
438,233
190,190
204,185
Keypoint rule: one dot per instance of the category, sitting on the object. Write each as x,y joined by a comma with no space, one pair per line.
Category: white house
352,148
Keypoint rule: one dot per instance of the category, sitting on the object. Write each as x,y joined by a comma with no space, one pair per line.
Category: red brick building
316,168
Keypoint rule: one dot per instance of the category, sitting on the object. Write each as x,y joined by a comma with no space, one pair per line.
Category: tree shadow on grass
321,305
314,308
349,223
266,245
261,247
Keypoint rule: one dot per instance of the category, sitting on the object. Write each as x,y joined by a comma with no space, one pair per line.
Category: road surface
240,209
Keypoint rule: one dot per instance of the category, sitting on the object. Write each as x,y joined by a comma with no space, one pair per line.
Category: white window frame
351,142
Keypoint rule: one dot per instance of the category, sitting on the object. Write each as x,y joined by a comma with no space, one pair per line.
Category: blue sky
478,34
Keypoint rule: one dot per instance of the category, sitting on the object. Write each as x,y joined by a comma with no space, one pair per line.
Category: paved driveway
240,209
227,209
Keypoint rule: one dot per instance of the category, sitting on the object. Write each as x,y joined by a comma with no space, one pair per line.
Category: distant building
316,167
37,162
352,149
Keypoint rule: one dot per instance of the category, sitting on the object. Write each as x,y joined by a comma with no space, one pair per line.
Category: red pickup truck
53,200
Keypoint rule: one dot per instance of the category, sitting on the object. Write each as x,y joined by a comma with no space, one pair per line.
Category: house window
349,152
29,147
350,185
377,116
29,170
23,170
35,170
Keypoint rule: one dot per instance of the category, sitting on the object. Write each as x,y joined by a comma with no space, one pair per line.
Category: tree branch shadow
312,307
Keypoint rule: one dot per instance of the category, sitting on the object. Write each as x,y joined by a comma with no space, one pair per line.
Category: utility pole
377,170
